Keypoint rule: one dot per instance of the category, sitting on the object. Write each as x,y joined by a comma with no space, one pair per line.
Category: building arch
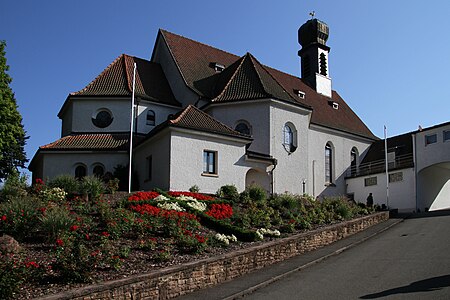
289,137
243,127
329,163
354,161
255,177
80,170
433,187
98,170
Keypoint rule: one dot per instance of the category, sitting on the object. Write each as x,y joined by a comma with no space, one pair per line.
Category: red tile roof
90,141
117,80
193,118
245,78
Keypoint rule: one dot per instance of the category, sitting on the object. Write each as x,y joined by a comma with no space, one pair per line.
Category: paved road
409,261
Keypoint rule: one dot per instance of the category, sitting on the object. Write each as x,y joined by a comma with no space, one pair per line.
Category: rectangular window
396,177
149,167
370,181
209,162
446,135
430,139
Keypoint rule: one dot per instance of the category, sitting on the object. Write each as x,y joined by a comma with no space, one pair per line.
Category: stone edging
178,280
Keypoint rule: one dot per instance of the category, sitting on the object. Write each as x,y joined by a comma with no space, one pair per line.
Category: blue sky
389,59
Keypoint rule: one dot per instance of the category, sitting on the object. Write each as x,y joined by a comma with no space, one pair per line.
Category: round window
102,119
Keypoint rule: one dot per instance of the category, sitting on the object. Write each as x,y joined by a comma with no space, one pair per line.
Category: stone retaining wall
178,280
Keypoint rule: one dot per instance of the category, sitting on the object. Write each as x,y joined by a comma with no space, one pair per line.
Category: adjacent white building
207,117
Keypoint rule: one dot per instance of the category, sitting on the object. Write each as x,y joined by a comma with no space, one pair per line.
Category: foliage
92,186
56,221
66,182
194,189
15,186
19,216
228,192
12,133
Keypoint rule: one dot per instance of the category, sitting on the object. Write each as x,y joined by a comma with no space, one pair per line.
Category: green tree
12,134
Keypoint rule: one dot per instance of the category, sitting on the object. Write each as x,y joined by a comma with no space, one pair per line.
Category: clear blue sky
389,59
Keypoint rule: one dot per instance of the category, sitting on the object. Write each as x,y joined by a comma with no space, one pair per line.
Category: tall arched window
80,171
323,64
353,161
328,163
289,137
150,117
98,170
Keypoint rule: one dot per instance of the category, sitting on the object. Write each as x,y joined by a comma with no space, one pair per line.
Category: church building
209,118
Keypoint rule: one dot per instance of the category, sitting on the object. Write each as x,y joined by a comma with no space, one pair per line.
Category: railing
379,166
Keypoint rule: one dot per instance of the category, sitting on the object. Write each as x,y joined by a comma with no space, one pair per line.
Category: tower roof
312,32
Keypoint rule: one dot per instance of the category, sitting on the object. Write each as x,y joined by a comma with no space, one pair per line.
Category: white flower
185,198
269,232
161,198
225,239
197,205
259,234
170,206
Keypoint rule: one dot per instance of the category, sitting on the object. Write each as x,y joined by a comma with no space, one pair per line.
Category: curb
304,266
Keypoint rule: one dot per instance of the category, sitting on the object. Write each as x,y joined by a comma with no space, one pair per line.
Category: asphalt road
409,261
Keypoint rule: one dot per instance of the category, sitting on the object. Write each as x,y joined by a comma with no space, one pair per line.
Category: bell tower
312,36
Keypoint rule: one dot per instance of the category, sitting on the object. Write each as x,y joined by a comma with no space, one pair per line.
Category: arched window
328,163
243,127
98,170
80,171
353,161
150,117
289,137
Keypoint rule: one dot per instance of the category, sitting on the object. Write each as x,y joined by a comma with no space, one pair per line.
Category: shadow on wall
426,285
433,187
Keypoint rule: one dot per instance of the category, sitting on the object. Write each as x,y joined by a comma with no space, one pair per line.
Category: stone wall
178,280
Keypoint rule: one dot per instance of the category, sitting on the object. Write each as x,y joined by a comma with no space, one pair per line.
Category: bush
56,221
194,189
15,187
92,186
228,192
19,216
66,182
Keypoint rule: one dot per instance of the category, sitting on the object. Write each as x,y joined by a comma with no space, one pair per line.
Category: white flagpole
131,130
386,166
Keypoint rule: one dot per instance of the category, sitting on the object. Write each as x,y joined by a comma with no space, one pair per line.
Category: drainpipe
314,178
271,175
415,170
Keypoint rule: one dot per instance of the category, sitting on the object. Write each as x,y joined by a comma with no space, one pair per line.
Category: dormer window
300,94
217,67
334,104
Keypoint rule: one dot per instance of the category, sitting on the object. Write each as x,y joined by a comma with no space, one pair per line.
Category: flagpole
131,130
386,166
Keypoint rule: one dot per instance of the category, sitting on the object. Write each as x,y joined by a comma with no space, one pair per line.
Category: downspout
272,177
314,178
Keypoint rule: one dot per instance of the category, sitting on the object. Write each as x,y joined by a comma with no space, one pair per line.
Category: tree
12,133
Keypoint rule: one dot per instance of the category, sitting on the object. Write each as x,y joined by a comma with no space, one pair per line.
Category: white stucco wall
255,113
428,155
292,168
342,145
59,163
161,114
433,187
402,194
186,162
181,92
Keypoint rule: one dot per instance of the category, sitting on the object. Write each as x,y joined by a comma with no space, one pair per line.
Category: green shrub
56,221
229,192
66,182
194,189
20,216
257,194
92,186
15,187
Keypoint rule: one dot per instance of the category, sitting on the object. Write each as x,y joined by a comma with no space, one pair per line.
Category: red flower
59,242
220,211
31,264
105,233
74,227
4,218
39,181
87,237
141,196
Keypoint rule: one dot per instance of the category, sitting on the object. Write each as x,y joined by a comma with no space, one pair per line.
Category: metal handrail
378,166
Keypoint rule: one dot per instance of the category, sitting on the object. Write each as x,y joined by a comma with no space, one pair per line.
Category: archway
433,187
259,178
